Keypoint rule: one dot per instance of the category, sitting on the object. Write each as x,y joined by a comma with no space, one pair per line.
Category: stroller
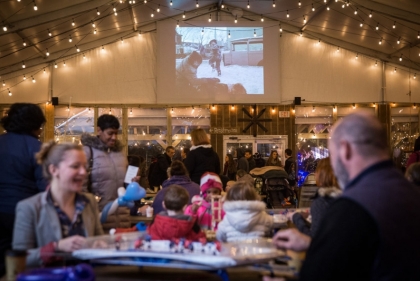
276,187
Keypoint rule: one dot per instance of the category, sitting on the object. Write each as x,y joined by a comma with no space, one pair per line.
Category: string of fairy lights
361,14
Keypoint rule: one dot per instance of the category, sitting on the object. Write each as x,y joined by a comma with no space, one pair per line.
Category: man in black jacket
159,172
363,237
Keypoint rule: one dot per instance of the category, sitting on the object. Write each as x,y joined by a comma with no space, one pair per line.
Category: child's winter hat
209,180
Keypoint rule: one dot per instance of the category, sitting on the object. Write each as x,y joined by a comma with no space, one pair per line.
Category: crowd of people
362,224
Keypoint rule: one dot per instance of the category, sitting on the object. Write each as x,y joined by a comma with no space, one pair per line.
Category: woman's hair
107,121
413,173
231,164
176,197
23,118
242,191
271,157
324,174
199,137
240,173
178,169
52,153
417,144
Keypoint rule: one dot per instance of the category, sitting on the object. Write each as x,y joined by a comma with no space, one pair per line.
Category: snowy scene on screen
213,61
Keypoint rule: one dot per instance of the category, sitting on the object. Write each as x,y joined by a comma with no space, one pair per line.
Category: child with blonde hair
245,215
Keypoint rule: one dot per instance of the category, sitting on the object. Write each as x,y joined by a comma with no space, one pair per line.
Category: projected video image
219,60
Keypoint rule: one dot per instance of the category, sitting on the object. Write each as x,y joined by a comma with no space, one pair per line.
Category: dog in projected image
187,81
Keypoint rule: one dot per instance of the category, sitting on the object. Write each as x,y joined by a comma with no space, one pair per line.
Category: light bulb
236,19
355,11
210,18
55,65
361,24
77,49
313,108
4,28
376,63
24,43
377,26
354,105
35,7
72,23
97,12
413,76
287,13
177,23
33,80
152,14
304,19
170,3
47,53
232,107
10,93
158,9
255,33
95,31
64,63
196,4
328,8
131,111
223,5
24,77
229,34
262,18
44,71
380,41
183,15
93,24
70,40
23,64
357,56
49,33
4,83
399,40
401,57
313,8
370,15
280,29
84,57
274,3
299,4
393,26
395,69
338,49
248,6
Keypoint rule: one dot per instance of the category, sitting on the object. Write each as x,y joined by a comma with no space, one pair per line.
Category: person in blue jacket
20,175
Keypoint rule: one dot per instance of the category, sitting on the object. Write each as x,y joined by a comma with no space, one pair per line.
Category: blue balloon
134,192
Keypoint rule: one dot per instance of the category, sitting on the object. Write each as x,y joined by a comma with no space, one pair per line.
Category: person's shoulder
32,202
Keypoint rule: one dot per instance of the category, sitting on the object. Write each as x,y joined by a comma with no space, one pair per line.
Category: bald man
372,232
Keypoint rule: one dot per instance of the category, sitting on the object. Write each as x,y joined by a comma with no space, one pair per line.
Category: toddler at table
245,216
210,185
172,223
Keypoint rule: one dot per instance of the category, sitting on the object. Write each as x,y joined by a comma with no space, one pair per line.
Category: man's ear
346,150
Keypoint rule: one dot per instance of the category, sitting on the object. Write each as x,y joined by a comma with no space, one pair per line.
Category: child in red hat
210,185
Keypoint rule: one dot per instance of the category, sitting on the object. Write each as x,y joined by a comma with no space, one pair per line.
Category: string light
338,49
299,4
377,26
24,43
103,49
280,29
10,93
35,7
145,1
213,107
131,111
77,48
236,19
97,12
49,33
229,34
370,15
287,14
183,15
93,24
24,77
232,107
4,83
4,28
177,24
152,14
70,40
72,23
255,33
84,57
313,108
357,56
122,40
202,31
262,18
313,8
393,26
274,3
196,4
23,64
222,5
55,65
158,9
355,11
374,104
354,105
33,80
210,18
380,41
248,6
44,72
414,106
273,110
95,31
395,69
401,57
64,63
398,41
418,35
413,76
170,3
110,112
361,24
304,19
376,63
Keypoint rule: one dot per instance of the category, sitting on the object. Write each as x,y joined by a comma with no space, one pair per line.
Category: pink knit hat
209,180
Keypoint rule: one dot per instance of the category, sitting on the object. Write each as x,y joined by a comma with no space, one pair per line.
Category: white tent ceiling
393,23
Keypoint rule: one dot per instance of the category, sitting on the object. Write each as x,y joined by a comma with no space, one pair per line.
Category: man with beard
371,232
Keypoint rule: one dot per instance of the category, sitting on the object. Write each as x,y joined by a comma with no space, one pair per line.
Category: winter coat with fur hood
323,199
108,172
244,220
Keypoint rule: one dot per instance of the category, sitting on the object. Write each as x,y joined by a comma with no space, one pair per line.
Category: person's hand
136,179
71,243
291,239
194,208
